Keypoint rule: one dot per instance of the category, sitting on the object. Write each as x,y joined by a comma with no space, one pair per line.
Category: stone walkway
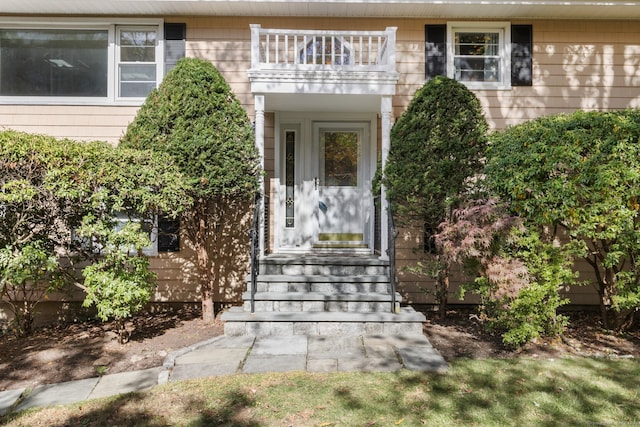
246,354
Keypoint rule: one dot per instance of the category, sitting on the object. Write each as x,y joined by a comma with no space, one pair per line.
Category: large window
79,62
164,233
54,63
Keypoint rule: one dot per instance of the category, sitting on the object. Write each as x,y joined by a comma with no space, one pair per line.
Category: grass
519,392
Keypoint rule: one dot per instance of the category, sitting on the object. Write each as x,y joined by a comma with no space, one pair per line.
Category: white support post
259,129
390,53
255,45
385,113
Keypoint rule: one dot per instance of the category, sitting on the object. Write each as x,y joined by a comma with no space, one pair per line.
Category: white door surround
323,199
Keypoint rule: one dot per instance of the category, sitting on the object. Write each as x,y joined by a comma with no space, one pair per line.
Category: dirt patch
84,350
461,335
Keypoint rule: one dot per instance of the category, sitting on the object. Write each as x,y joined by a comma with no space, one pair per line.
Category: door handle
315,182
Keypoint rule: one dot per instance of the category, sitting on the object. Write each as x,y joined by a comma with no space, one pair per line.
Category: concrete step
319,302
326,278
320,296
240,322
323,265
404,314
325,284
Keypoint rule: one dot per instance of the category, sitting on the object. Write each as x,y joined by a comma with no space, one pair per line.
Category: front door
340,184
325,186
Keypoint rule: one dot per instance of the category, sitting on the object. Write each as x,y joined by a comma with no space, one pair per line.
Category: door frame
306,123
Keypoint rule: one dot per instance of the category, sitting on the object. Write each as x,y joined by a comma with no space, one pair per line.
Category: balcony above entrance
323,62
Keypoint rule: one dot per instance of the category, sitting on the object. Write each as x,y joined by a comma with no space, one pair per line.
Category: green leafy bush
49,191
530,310
575,178
118,284
27,274
194,117
437,146
518,277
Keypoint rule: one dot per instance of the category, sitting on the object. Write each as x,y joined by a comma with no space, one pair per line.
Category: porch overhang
450,9
335,71
322,103
321,87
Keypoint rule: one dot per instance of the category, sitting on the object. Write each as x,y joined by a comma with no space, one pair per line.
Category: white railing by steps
308,49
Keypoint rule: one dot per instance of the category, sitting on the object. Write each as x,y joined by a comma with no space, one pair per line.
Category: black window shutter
168,234
175,36
435,46
521,55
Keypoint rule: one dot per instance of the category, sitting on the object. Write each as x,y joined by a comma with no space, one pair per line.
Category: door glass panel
290,156
341,151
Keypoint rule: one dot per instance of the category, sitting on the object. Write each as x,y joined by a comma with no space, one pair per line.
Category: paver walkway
246,354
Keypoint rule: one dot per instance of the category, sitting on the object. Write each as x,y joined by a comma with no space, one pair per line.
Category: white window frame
504,31
119,61
111,25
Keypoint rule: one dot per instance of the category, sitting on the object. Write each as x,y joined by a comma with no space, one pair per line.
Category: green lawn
523,392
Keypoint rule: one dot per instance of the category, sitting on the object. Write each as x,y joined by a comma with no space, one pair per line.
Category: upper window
86,63
479,55
483,55
327,50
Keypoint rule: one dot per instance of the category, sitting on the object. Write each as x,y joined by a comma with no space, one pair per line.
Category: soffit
322,103
451,9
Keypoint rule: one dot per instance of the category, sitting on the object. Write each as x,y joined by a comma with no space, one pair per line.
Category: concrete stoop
322,295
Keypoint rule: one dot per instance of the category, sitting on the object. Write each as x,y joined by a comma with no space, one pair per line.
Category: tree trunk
442,292
208,312
206,285
204,268
607,286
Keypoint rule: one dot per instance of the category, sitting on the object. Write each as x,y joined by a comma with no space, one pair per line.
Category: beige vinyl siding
80,122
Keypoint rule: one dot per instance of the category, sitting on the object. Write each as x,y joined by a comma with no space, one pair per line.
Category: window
483,55
429,239
326,50
479,55
168,234
164,233
52,62
137,69
476,56
83,61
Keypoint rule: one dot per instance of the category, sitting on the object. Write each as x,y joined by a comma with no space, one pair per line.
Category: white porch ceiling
474,9
324,103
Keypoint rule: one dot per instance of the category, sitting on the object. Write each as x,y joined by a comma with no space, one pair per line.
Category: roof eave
450,9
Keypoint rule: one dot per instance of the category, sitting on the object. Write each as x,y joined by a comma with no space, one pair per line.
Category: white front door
339,176
325,179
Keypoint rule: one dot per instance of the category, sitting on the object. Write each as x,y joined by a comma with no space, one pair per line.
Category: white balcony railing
323,50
